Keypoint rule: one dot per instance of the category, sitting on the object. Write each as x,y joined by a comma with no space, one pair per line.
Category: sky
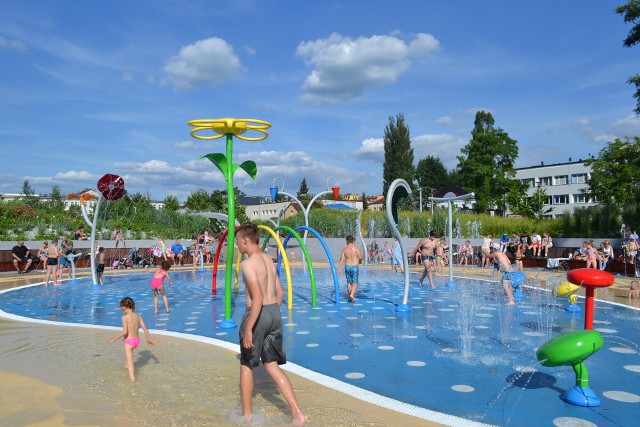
93,87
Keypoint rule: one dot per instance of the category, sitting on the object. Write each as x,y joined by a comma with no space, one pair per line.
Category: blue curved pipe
336,284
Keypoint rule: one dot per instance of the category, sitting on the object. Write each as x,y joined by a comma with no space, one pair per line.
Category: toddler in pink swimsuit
131,322
158,287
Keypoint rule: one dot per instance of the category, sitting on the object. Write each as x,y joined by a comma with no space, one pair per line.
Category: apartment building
562,183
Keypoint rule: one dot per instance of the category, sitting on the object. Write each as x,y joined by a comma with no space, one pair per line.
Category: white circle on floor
622,396
409,336
302,332
416,363
312,345
602,322
390,317
533,313
623,350
632,368
291,324
355,375
332,325
379,326
385,347
533,334
481,327
332,311
462,388
315,318
351,318
450,350
421,327
339,357
572,422
446,309
606,330
356,335
221,333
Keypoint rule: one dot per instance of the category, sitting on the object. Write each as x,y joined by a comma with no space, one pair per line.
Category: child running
157,285
131,322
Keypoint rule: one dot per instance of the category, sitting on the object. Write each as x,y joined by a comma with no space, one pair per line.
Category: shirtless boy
427,248
505,267
350,258
261,328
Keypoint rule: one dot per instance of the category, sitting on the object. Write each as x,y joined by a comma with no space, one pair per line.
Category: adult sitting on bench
20,253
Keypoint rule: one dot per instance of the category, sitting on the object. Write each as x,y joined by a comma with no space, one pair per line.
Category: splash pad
458,351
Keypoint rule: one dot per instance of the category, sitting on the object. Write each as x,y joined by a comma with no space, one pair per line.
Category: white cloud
127,77
250,51
423,44
584,122
206,62
444,146
444,120
16,45
371,149
629,126
345,68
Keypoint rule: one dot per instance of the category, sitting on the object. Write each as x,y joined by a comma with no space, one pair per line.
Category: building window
546,181
561,199
560,180
579,198
579,178
529,182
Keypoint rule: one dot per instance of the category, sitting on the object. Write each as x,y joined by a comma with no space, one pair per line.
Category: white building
562,183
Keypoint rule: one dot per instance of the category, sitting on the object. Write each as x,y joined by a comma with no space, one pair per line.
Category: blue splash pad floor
459,350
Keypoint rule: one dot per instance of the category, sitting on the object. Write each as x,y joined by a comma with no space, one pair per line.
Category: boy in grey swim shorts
261,328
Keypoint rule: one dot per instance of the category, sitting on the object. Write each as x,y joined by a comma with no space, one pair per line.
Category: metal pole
420,190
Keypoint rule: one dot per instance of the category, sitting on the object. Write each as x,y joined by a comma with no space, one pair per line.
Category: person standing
427,247
52,263
350,258
505,267
20,253
100,264
396,256
260,332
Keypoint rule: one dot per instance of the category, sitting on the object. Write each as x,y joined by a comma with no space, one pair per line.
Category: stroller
131,259
148,259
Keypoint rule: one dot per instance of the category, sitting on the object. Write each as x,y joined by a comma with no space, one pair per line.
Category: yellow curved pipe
285,261
238,262
224,126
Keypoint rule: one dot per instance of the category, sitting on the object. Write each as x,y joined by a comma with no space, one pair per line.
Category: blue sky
95,87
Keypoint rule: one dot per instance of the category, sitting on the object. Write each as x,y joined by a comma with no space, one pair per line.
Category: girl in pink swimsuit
158,287
131,322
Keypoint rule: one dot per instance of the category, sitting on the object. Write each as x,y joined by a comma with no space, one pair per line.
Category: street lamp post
420,191
539,205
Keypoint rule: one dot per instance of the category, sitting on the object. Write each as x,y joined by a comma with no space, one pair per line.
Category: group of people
260,332
53,256
595,256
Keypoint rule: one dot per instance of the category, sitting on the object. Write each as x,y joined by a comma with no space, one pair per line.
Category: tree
398,154
531,207
431,175
198,201
614,174
304,188
486,166
631,13
30,198
171,203
365,203
56,197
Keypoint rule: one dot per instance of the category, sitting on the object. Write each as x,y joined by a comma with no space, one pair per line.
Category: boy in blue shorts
350,258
